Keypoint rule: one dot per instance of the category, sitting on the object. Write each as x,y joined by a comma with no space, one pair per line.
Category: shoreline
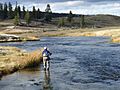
114,33
14,59
16,38
34,33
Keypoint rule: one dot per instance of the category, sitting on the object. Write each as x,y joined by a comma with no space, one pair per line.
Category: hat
45,47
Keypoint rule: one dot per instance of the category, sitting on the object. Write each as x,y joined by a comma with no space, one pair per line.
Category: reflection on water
47,81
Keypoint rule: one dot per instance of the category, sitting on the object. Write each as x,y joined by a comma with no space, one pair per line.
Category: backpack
45,54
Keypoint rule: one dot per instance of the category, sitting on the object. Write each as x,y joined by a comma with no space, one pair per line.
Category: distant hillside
102,20
92,20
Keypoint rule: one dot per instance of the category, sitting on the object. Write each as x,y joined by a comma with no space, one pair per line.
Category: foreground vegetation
13,59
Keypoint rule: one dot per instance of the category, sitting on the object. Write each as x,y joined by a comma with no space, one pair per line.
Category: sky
87,7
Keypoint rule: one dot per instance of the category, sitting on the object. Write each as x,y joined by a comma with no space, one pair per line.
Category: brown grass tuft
15,60
31,59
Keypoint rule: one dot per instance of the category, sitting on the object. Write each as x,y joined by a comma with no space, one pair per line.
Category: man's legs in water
47,64
44,62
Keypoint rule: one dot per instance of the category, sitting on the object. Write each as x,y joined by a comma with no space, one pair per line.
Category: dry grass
14,59
17,31
31,59
113,32
116,39
32,35
30,38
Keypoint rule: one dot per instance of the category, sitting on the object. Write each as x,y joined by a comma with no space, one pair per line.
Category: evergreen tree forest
7,11
20,14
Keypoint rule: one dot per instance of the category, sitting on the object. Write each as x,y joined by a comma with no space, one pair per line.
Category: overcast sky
76,6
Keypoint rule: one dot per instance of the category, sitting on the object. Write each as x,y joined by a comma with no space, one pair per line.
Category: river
77,63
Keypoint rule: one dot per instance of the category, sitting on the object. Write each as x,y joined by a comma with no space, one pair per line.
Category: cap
45,47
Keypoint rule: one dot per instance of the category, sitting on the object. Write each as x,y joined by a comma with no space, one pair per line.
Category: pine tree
16,10
24,12
19,11
34,13
61,22
1,11
38,14
10,12
16,20
5,11
82,21
1,6
48,13
27,18
48,9
70,17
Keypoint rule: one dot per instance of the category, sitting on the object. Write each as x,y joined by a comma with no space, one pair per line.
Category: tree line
8,12
70,20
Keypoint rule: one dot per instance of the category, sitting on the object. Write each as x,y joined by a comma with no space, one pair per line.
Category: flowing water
77,63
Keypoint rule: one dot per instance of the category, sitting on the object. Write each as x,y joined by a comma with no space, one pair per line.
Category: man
46,57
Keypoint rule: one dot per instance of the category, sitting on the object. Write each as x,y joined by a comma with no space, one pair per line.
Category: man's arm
43,52
49,52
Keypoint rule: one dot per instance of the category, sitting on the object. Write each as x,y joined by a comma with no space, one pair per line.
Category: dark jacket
47,53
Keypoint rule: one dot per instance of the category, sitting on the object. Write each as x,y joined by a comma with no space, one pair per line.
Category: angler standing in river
46,58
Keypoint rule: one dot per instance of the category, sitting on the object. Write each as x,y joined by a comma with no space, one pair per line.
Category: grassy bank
50,30
34,33
16,38
113,32
13,59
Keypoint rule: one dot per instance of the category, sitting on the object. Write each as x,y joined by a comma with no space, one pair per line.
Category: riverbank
35,33
112,32
16,38
13,59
